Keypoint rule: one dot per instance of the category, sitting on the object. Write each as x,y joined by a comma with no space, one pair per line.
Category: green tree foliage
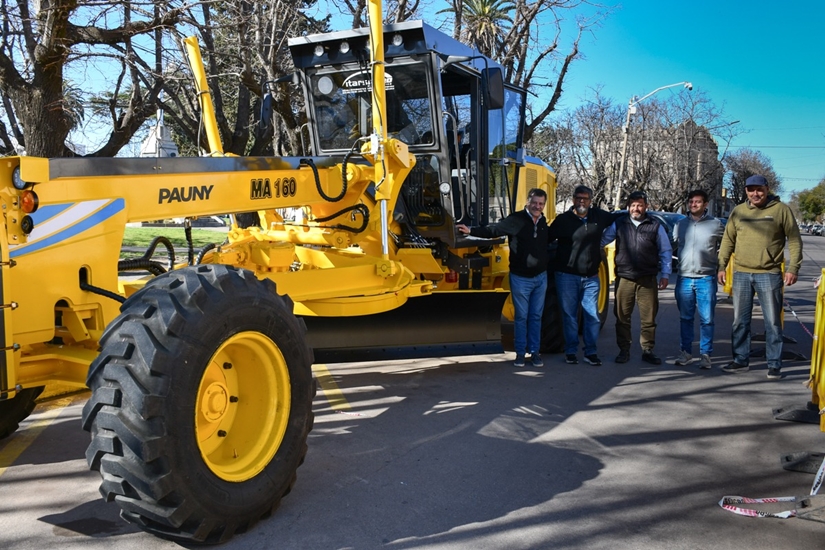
812,202
486,24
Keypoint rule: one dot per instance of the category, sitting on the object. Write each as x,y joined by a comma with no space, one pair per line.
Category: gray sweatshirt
698,242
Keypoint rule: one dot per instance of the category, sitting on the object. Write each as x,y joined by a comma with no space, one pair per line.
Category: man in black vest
643,251
527,234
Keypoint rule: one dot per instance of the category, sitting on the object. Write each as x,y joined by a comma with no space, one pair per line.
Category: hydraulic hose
309,162
360,208
203,251
146,262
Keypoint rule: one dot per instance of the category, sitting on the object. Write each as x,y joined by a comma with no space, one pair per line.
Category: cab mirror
492,83
266,111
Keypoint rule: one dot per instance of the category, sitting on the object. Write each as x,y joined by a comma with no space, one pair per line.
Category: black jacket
579,249
528,242
637,248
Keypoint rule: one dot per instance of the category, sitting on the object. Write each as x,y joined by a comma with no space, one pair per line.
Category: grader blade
443,323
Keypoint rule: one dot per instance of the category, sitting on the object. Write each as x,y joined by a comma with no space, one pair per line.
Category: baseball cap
756,180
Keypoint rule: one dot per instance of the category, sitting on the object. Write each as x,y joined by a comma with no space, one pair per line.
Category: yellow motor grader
200,372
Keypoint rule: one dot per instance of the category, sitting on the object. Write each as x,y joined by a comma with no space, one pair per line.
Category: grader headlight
17,180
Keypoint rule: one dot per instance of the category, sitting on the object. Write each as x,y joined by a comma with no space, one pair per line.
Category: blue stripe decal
98,217
50,211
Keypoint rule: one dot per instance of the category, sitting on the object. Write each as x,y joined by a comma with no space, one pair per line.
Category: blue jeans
692,295
768,287
528,299
575,290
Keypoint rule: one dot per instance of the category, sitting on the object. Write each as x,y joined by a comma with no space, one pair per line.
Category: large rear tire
15,410
201,404
552,334
604,289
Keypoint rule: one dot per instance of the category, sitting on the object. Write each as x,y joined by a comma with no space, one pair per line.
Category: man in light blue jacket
697,237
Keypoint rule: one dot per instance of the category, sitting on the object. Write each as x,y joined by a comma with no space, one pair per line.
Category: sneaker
774,373
519,362
535,358
593,360
650,357
571,359
733,366
684,358
704,362
623,357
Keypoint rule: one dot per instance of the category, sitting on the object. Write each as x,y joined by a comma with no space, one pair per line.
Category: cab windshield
342,105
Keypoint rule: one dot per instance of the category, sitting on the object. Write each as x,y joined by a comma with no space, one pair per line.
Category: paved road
469,452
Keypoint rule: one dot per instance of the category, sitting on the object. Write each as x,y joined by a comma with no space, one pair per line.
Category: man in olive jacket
755,234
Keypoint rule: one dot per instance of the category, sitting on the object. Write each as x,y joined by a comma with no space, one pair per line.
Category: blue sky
763,62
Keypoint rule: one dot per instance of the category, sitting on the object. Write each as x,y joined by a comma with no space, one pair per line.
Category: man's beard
581,210
636,215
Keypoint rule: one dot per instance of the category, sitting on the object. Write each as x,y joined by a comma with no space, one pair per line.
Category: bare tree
75,72
673,146
743,164
526,37
584,147
245,51
50,43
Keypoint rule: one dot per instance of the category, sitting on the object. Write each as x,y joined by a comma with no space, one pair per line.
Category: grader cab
200,372
463,125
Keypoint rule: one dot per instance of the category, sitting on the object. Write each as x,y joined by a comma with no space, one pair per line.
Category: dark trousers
643,291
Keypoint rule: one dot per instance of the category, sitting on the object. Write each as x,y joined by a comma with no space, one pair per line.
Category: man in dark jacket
578,257
527,235
643,251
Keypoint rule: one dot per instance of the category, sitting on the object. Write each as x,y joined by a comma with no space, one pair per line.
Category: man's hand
721,277
663,283
790,278
463,229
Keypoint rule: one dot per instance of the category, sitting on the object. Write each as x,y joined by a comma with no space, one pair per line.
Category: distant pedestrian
527,235
697,237
643,251
755,234
578,257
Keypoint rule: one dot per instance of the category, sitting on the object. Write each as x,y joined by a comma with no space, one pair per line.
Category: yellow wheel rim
242,408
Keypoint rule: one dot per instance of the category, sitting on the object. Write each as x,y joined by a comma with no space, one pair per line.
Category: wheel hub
215,401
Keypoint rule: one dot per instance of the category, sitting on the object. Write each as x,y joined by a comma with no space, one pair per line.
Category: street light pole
631,108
